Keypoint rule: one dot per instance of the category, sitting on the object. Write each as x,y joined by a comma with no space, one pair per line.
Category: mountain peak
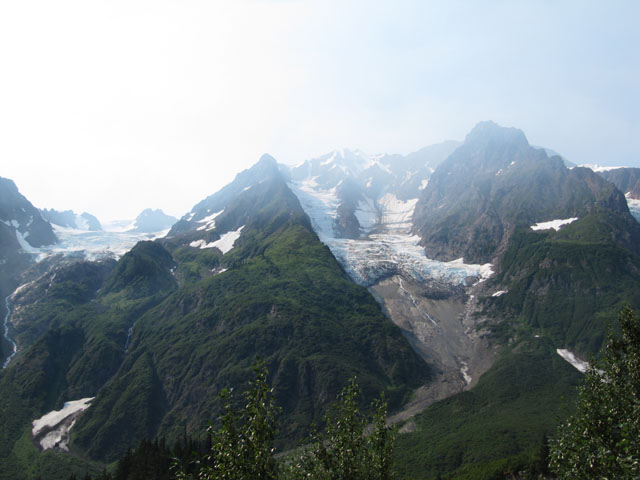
267,161
490,132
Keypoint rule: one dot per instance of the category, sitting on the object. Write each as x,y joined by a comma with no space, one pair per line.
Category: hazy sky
113,106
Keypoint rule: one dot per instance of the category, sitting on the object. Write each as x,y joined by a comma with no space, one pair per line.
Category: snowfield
555,224
391,251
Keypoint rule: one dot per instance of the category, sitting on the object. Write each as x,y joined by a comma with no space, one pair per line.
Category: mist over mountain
496,181
151,220
449,278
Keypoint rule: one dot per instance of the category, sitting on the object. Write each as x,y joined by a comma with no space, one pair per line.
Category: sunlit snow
555,224
224,244
499,293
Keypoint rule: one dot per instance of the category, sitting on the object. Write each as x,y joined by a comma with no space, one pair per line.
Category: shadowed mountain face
626,179
18,213
21,229
496,181
150,221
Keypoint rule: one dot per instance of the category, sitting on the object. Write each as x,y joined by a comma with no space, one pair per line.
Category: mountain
69,219
363,184
157,335
150,221
457,280
22,219
22,230
626,179
496,182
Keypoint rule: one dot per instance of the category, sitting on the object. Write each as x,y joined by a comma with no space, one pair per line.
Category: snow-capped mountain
362,206
218,220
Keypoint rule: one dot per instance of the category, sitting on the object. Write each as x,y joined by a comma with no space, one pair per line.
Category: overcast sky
114,106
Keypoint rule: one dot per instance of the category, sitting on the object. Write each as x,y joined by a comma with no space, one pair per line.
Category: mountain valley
448,278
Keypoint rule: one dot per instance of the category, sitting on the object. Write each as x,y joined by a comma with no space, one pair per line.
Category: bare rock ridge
626,179
495,182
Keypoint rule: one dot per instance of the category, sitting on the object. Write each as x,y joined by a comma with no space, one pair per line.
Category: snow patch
11,223
570,357
499,293
24,245
423,184
464,370
555,224
224,244
53,428
209,221
599,168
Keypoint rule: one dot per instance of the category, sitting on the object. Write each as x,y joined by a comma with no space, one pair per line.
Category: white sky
114,106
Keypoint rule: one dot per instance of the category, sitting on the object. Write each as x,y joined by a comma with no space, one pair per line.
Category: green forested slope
283,297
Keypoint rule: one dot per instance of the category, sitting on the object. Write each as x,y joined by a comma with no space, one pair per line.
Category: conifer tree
602,439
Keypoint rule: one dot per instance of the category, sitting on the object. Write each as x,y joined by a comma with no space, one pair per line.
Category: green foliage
565,285
495,427
353,447
346,450
602,439
243,446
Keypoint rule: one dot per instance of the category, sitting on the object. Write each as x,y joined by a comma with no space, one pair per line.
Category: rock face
17,213
150,221
69,219
202,217
626,179
22,229
494,182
